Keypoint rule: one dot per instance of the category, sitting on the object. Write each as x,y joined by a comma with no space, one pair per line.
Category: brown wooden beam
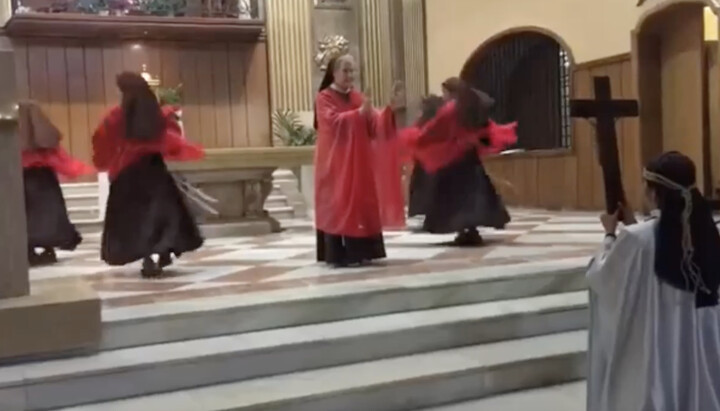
81,26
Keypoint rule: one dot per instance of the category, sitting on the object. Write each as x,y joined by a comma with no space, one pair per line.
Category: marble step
81,200
88,226
91,212
183,365
221,315
393,384
565,397
281,212
80,188
276,200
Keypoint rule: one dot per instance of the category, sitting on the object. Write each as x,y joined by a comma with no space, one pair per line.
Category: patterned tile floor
240,265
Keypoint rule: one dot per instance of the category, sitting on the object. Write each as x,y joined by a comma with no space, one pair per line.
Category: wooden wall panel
682,53
238,61
572,178
225,86
57,105
256,86
191,94
80,133
221,87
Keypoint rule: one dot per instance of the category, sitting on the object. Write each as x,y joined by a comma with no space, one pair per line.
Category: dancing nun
349,188
147,217
458,196
43,159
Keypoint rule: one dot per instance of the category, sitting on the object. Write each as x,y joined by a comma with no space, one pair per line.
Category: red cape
442,140
353,176
113,152
388,170
57,159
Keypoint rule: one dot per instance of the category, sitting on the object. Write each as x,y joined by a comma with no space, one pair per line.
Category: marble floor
240,266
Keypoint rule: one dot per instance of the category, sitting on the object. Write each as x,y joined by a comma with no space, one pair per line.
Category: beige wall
592,29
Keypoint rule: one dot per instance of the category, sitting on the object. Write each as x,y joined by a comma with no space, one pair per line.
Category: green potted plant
289,129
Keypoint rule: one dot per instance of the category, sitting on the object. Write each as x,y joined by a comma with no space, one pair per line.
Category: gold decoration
153,82
330,47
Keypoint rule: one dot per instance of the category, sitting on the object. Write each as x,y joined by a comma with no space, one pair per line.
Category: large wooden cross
606,110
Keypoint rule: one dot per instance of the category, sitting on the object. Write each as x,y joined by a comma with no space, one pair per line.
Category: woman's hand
366,107
610,222
628,215
397,100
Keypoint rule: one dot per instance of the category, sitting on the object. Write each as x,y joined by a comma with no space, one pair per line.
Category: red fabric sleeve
175,146
346,200
500,138
106,139
388,169
59,160
441,140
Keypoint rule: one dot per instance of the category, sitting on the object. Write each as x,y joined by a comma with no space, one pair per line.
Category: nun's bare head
344,71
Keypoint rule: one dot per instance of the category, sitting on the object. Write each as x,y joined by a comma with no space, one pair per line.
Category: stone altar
240,179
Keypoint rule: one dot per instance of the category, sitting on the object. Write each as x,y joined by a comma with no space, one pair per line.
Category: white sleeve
610,268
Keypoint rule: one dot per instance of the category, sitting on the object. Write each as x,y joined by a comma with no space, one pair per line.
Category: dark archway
528,72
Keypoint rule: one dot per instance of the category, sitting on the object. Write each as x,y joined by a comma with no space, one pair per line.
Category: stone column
13,232
45,321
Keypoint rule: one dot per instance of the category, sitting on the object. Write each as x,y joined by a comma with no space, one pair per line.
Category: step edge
575,354
234,304
299,343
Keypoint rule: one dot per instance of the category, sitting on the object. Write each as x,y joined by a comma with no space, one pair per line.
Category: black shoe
48,256
151,269
34,258
165,260
469,238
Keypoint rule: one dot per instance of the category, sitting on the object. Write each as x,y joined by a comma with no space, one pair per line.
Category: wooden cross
606,110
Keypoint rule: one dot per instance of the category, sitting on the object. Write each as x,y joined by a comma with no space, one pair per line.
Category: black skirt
146,214
48,225
463,197
420,191
344,250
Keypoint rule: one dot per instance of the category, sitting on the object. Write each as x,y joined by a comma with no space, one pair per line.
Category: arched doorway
528,73
673,80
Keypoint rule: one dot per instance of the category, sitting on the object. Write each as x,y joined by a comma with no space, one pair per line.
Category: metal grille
528,74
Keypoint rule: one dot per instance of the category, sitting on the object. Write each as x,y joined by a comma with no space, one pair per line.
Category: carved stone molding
333,4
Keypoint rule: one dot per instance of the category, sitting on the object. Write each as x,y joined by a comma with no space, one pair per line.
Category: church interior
251,321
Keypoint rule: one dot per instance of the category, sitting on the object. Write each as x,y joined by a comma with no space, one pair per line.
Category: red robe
353,173
58,160
442,140
113,152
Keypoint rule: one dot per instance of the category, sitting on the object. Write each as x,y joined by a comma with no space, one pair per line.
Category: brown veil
35,129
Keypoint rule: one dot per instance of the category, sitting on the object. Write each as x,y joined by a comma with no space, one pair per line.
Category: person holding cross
655,320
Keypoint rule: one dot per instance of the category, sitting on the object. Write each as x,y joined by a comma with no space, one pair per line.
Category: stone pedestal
53,321
37,322
241,180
